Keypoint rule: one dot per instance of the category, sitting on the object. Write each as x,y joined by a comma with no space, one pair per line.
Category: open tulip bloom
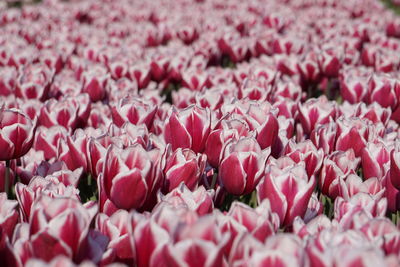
199,133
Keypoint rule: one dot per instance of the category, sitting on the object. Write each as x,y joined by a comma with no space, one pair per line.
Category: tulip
354,184
49,186
373,205
135,111
381,89
63,113
288,190
7,81
126,171
373,158
34,82
95,83
141,74
9,215
353,85
148,236
197,239
17,133
324,137
225,131
195,80
395,168
73,151
47,139
16,137
335,168
263,119
242,166
316,112
118,229
183,165
188,128
59,226
284,250
353,134
305,151
330,61
199,200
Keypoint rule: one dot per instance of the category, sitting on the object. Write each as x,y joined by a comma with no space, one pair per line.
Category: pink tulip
94,83
183,165
353,134
198,200
63,113
126,170
17,133
8,81
50,186
118,230
242,166
395,168
9,215
59,226
135,111
353,85
335,168
373,158
34,82
305,152
289,191
73,150
381,89
188,128
315,112
224,132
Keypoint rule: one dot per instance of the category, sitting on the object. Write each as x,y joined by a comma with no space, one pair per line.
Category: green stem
214,180
253,200
89,179
7,178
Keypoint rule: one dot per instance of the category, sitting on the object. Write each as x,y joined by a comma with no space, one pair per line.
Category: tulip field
208,133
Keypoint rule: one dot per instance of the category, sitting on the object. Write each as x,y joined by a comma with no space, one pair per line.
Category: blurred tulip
17,133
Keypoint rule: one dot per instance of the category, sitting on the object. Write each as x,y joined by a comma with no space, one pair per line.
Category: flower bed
200,133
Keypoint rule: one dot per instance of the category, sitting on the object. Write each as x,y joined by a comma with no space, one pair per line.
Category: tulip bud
183,165
128,176
135,111
315,112
373,158
288,190
242,166
225,131
16,135
188,128
381,89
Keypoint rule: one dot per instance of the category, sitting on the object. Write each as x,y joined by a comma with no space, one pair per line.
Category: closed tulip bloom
17,132
188,128
316,111
224,132
242,166
135,111
373,158
289,190
353,85
128,175
183,165
382,89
